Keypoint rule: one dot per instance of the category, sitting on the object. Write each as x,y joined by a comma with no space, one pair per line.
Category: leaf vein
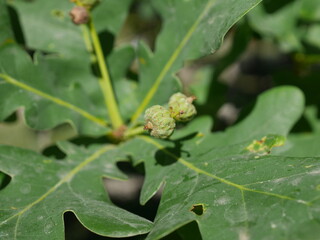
170,62
58,101
16,228
222,180
245,211
65,179
275,179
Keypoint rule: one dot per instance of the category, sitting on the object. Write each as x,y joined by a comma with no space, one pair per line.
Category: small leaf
274,113
285,19
310,10
313,35
311,114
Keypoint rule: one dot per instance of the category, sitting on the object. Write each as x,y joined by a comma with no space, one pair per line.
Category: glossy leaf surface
41,190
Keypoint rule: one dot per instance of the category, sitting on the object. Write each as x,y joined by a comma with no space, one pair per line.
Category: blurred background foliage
277,43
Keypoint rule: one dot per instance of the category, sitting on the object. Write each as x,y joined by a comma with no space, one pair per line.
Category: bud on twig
79,15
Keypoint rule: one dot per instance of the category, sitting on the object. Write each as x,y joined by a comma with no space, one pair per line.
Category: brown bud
117,135
79,15
191,99
148,126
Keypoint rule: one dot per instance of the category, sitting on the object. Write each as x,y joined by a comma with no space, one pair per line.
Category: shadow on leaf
169,155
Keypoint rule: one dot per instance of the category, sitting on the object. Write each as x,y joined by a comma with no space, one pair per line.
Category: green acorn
181,107
159,122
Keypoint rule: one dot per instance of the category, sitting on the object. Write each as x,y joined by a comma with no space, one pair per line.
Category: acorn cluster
161,122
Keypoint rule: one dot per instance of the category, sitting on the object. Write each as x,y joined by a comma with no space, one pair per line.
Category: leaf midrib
242,188
56,100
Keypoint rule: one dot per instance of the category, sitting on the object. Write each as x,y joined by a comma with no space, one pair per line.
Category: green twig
133,132
86,38
105,82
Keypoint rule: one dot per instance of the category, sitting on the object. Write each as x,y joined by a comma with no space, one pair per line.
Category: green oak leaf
43,189
68,41
119,60
313,34
229,192
275,112
36,17
285,19
311,114
191,29
67,69
48,100
110,15
310,10
288,31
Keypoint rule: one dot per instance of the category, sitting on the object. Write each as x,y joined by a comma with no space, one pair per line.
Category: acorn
159,122
181,107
